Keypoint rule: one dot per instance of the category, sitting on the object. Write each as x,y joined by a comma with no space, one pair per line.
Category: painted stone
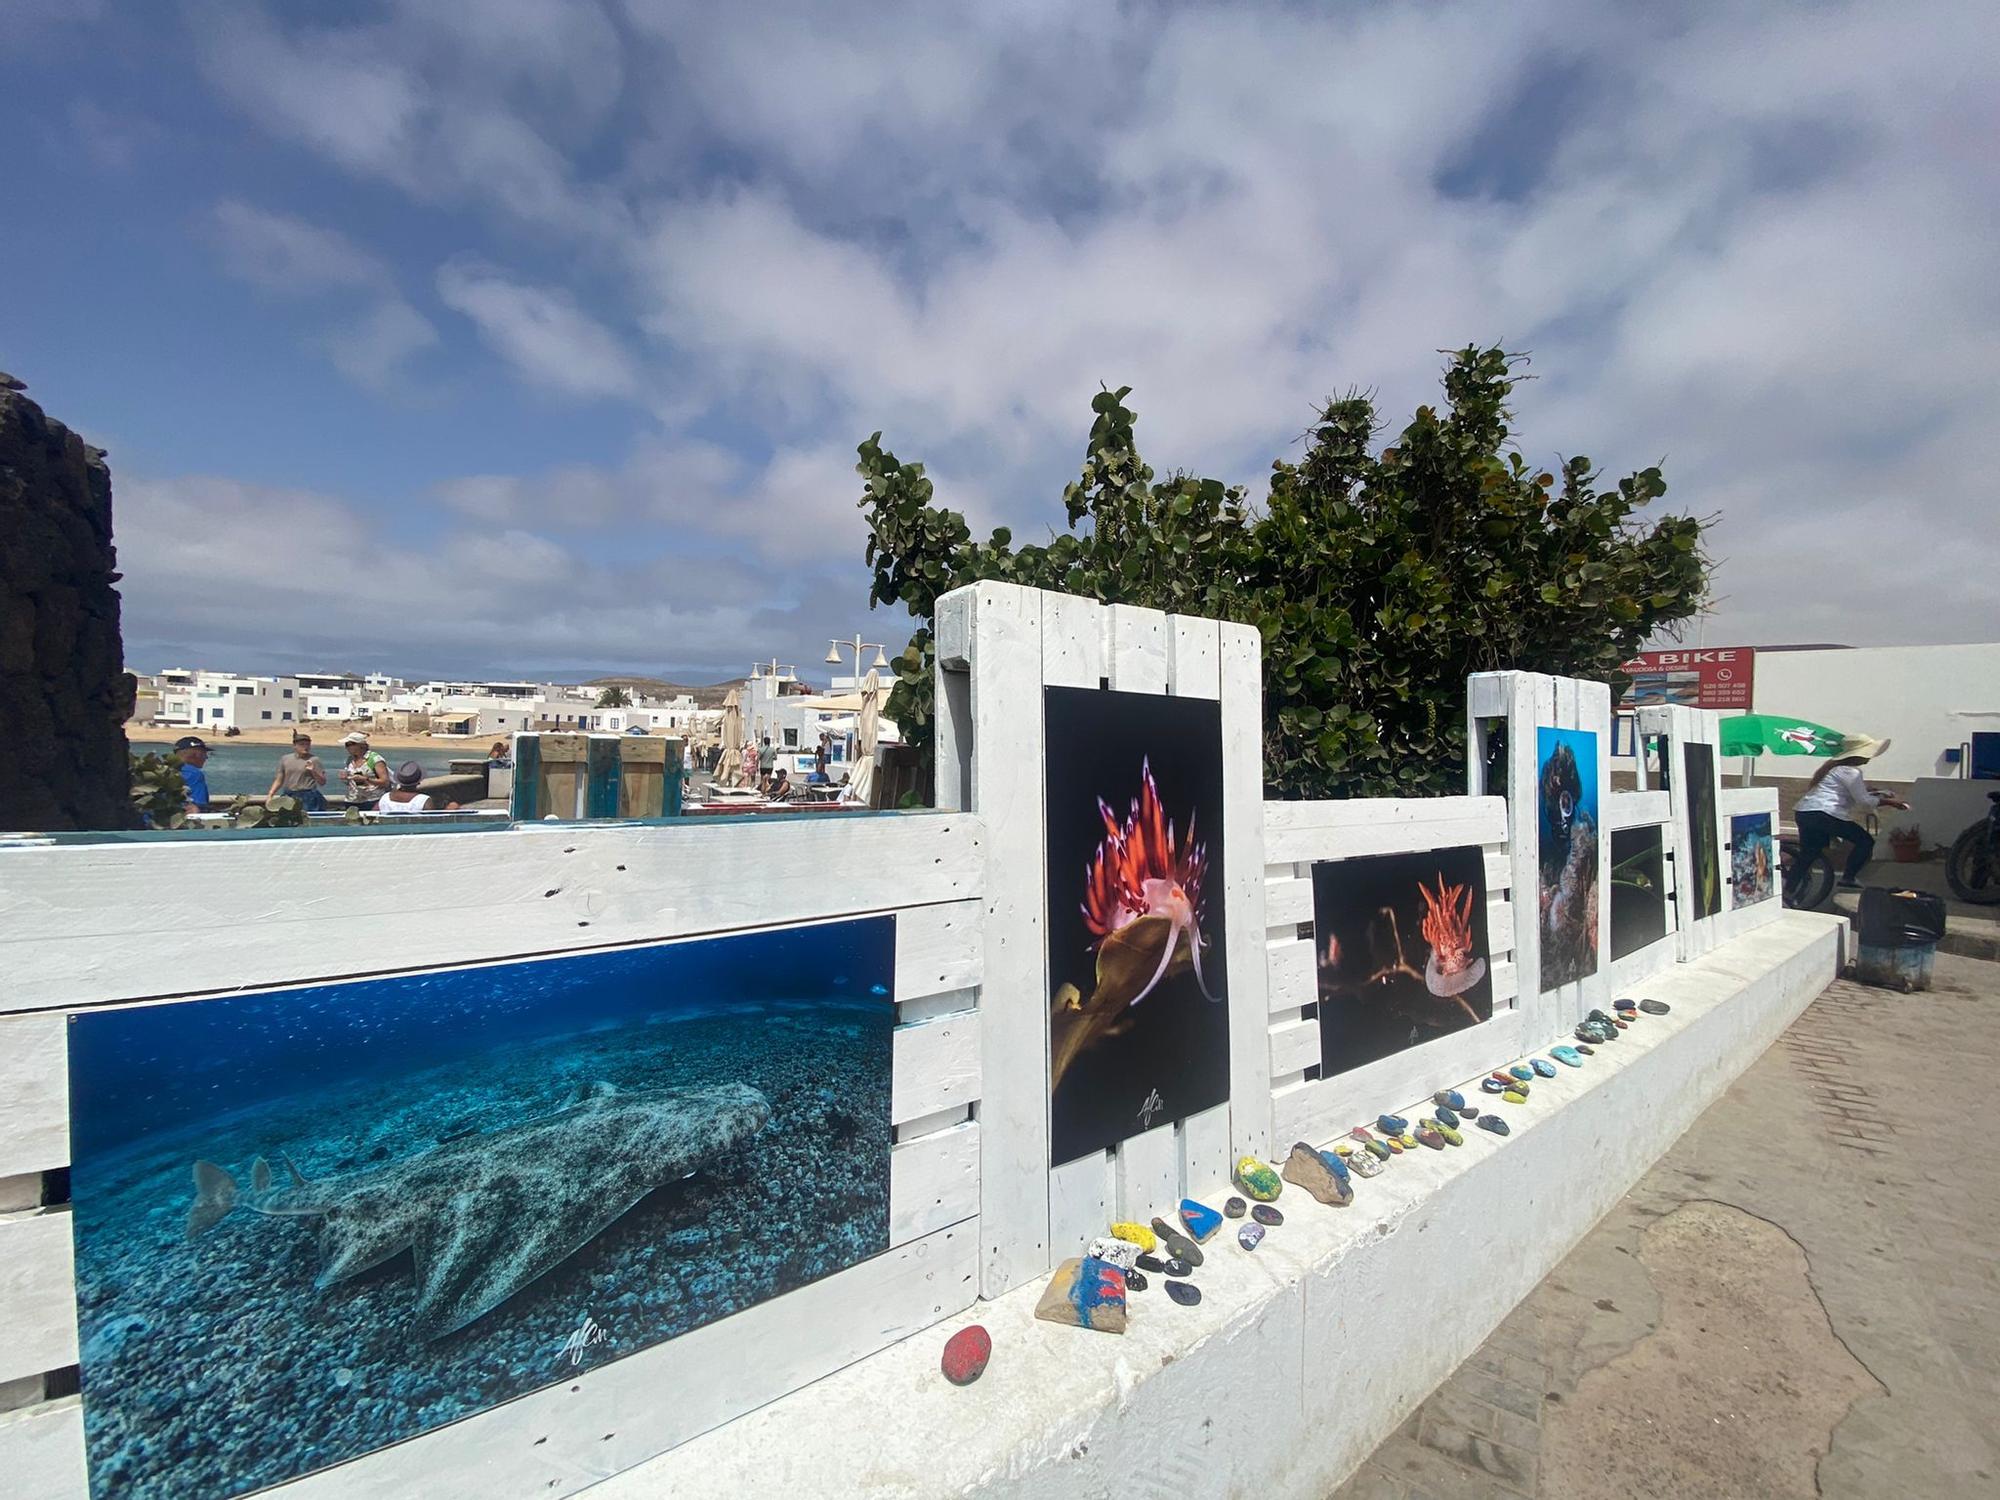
1085,1292
1566,1056
1235,1208
1491,1085
1623,1025
1430,1137
1121,1253
1178,1267
1250,1236
1135,1281
1391,1124
966,1354
1305,1168
1335,1163
1447,1116
1379,1151
1600,1017
1624,1004
1451,1136
1268,1216
1514,1096
1492,1122
1177,1243
1201,1220
1364,1164
1468,1113
1586,1049
1543,1066
1408,1141
1655,1007
1448,1099
1257,1180
1395,1146
1184,1292
1521,1071
1152,1263
1138,1234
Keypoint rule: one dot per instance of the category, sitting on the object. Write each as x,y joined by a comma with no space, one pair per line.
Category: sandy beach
468,747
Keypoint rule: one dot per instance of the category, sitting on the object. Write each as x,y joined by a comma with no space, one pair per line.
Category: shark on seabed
484,1215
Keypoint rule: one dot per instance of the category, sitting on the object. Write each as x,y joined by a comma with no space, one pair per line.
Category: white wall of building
1927,699
222,700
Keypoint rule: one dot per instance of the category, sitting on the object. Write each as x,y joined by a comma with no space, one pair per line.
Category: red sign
1706,678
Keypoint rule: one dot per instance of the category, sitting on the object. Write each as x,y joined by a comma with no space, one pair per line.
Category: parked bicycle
1806,890
1973,866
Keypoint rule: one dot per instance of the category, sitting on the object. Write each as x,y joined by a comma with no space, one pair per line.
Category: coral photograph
1138,1024
1567,816
1400,944
1638,888
1704,875
1752,858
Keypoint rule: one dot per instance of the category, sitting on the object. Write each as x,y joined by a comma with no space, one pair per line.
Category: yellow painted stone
1515,1096
1137,1234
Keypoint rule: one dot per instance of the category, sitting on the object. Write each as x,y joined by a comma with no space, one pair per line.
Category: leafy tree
1378,579
613,697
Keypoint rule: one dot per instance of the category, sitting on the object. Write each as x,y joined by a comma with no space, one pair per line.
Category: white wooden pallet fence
1296,836
184,921
1734,802
999,646
1643,810
1674,726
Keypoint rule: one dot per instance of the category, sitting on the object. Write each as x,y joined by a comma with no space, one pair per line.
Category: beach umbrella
1777,734
861,780
729,768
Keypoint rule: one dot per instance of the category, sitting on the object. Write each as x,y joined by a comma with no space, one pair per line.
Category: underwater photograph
1567,816
1400,944
313,1222
1704,876
1638,888
1138,1019
1752,858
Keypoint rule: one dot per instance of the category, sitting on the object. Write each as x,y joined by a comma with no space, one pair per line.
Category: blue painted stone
1598,1015
1624,1004
1266,1215
1335,1163
1087,1293
1201,1220
1492,1122
1521,1072
1449,1099
1177,1267
1184,1292
1250,1236
1542,1066
1492,1085
1567,1056
1392,1124
1655,1007
1446,1115
1235,1208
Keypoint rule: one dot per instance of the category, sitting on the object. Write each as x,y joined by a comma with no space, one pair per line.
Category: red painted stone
965,1355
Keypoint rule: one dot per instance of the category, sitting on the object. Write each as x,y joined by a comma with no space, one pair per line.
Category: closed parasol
861,780
728,770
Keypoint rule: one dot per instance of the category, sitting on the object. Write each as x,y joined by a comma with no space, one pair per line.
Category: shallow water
246,770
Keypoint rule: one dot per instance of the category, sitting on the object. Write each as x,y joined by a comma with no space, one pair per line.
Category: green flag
1775,734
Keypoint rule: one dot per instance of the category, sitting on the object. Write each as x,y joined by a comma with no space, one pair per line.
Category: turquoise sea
246,770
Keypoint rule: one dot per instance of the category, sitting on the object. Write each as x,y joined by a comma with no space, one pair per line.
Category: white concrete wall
1926,698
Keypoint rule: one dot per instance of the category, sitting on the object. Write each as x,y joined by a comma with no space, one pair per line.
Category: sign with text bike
1717,677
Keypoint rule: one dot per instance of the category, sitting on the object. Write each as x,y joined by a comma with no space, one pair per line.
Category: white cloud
541,332
282,253
375,349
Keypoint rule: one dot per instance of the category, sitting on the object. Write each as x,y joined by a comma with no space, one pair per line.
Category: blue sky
537,335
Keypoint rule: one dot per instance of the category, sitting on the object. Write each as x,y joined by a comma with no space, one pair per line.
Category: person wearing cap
192,752
403,796
1835,801
366,773
300,775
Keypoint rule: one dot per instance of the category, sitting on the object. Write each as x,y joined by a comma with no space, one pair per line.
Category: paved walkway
1802,1298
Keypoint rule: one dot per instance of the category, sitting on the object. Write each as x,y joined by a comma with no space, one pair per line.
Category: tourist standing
192,752
300,775
366,773
749,763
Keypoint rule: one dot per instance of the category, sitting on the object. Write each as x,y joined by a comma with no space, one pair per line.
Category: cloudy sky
537,335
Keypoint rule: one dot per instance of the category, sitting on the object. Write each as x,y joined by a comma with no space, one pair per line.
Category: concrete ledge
1304,1355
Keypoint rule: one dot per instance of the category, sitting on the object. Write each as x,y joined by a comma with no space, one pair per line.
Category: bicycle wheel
1810,888
1971,868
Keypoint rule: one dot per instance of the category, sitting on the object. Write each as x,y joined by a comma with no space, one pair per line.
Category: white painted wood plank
34,1094
1080,1198
1294,1047
559,1440
1638,809
1146,1174
1488,695
1293,977
1499,877
1074,650
1506,983
933,1182
1593,711
81,925
952,691
1205,1160
1194,662
1008,793
1499,919
1244,858
1305,831
1525,846
1287,902
938,948
41,1451
37,1294
1138,650
936,1066
951,630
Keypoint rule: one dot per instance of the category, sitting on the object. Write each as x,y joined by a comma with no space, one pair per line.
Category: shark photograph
313,1222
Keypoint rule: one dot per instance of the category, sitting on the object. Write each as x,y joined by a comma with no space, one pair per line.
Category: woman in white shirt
1835,801
403,796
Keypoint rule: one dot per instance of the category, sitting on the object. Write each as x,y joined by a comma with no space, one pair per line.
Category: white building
223,700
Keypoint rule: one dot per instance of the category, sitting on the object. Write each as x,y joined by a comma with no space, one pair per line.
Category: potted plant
1907,844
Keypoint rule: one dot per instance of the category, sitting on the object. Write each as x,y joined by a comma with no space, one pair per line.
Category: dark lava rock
1184,1292
1151,1263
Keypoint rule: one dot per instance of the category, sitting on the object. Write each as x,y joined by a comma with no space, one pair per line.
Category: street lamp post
857,646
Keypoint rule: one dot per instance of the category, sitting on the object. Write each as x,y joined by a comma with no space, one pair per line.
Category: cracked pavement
1801,1298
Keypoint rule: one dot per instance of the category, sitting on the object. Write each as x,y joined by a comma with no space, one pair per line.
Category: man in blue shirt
193,753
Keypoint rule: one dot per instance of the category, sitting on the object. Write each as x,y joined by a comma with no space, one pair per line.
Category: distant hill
705,695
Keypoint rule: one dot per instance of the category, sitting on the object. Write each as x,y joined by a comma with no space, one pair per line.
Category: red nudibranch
1447,927
1140,870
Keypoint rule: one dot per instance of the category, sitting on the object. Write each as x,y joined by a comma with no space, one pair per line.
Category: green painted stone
1257,1180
